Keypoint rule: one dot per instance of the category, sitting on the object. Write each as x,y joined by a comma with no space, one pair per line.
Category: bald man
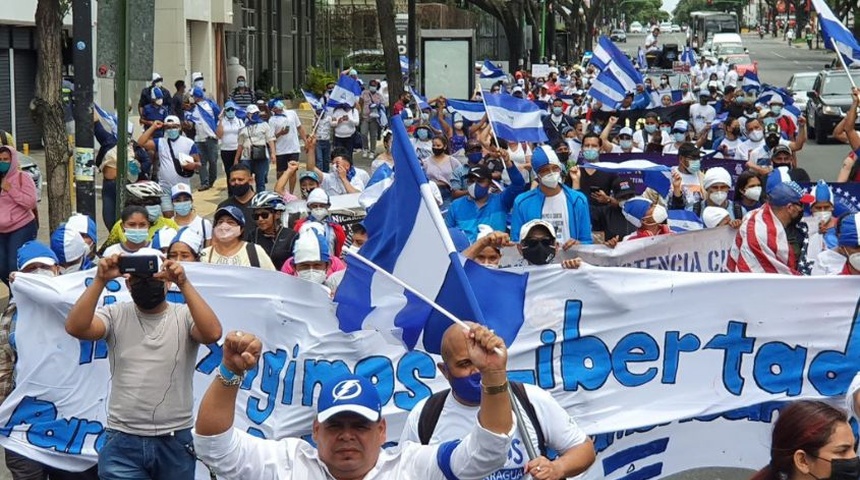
451,414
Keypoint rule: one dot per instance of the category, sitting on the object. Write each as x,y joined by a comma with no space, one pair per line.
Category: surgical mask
556,111
173,133
159,101
753,193
148,293
182,208
136,235
552,180
854,260
665,129
372,89
755,135
458,125
478,191
4,167
679,137
312,275
694,166
230,114
718,197
650,128
823,217
467,389
540,252
422,134
844,468
319,213
438,151
590,154
153,212
626,144
241,189
408,121
225,231
776,109
660,214
241,84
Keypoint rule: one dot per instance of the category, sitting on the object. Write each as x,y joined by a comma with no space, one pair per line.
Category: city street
776,63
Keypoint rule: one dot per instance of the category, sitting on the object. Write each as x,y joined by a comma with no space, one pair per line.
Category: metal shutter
188,69
5,93
25,90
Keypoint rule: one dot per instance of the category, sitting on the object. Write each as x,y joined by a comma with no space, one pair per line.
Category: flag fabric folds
488,70
346,92
471,111
515,119
836,36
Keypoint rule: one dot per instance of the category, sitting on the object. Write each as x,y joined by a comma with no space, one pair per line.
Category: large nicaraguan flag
836,36
515,119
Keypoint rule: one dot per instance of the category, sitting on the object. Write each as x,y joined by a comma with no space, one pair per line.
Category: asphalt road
776,63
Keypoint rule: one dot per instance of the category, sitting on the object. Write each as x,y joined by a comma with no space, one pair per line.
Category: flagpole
842,62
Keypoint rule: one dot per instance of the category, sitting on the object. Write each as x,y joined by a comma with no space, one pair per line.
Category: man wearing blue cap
349,429
563,207
849,243
205,116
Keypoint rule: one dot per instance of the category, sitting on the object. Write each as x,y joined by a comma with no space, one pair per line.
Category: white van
723,38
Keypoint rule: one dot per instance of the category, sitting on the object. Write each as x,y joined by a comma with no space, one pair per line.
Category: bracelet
228,378
494,390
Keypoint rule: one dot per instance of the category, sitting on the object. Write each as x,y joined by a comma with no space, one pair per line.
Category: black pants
22,468
281,162
228,158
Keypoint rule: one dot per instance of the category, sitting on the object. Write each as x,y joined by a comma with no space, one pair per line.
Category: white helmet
268,199
145,189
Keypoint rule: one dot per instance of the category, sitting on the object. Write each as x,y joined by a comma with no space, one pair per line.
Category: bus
704,25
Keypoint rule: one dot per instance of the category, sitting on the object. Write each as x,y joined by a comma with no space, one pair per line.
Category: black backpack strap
523,399
429,416
697,208
176,165
738,210
251,249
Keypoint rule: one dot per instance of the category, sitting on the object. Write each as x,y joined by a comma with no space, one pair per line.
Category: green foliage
643,11
316,79
681,14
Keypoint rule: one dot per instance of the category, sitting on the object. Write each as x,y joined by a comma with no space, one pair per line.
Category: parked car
676,28
726,49
666,27
827,102
636,27
618,35
743,63
798,85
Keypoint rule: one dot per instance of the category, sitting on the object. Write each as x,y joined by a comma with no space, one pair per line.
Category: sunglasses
533,242
263,215
229,109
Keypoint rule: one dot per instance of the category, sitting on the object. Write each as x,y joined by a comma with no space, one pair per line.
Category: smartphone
594,189
139,265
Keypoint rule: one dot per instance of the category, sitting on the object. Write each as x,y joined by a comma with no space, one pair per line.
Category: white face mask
823,217
44,272
353,248
552,180
756,135
753,193
319,213
313,275
854,260
73,268
719,197
225,231
660,214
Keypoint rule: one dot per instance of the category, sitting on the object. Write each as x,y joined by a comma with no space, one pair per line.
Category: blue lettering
290,378
585,361
634,348
47,431
318,372
273,363
778,368
674,345
543,354
410,368
380,371
515,453
830,372
212,360
735,343
92,350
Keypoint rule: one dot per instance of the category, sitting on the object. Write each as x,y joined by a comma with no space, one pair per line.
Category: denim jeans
23,468
209,158
260,169
323,154
9,245
132,457
109,203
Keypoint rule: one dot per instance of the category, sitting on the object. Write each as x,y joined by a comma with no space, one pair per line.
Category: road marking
778,55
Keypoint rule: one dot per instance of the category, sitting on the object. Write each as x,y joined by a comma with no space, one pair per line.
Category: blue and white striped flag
751,81
108,120
404,64
488,70
419,99
515,119
640,57
684,221
346,92
769,93
607,56
607,90
688,56
314,102
471,111
836,36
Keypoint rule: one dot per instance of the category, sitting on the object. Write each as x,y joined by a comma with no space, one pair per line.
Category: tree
47,107
509,14
385,17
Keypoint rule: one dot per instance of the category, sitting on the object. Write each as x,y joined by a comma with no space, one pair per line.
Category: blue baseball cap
349,393
848,235
35,252
232,211
543,156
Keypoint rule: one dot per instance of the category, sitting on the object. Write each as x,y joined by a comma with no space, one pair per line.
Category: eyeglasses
263,215
533,242
229,109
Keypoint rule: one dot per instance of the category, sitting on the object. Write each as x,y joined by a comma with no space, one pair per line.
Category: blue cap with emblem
349,393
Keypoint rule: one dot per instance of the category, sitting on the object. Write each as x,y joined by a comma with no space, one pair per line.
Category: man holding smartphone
152,352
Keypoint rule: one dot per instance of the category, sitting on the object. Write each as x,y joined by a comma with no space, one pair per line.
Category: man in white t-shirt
451,415
287,128
686,178
702,114
651,41
344,177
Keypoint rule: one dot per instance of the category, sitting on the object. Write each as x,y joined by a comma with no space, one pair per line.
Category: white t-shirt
746,147
456,420
732,78
759,153
732,151
200,226
701,116
691,187
230,133
201,127
118,248
518,156
670,148
555,212
618,149
240,258
641,138
288,143
332,184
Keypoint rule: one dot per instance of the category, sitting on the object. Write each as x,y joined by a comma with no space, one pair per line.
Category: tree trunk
47,108
388,36
514,34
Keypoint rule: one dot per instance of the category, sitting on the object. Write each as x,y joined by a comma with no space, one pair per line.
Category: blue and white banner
345,93
836,36
661,359
514,119
471,111
488,70
312,100
688,56
751,81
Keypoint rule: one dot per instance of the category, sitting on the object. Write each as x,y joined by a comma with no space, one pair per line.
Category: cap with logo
479,172
622,189
180,189
680,126
349,394
537,223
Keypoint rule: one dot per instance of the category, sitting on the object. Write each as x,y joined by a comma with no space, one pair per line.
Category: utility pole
121,102
82,59
411,40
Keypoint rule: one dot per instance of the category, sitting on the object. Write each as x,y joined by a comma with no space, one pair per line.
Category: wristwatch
228,378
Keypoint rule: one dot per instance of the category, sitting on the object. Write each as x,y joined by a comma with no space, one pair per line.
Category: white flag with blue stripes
607,90
836,36
515,119
345,93
471,111
488,70
607,56
751,81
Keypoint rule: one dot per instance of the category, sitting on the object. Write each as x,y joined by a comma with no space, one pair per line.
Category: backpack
429,416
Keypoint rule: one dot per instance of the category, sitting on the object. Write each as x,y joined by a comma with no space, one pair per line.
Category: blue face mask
153,212
422,134
590,154
136,235
679,137
665,129
4,166
776,109
467,389
173,133
556,110
478,191
650,128
230,114
255,118
182,208
474,157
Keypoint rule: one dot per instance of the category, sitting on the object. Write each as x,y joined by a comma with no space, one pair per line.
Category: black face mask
771,141
563,156
845,468
736,131
148,293
539,252
438,151
241,189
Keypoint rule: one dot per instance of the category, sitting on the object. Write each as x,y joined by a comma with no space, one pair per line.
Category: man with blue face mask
481,206
687,179
178,156
451,414
557,121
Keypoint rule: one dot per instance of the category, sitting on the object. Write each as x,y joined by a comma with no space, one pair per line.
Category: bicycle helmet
144,190
268,199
